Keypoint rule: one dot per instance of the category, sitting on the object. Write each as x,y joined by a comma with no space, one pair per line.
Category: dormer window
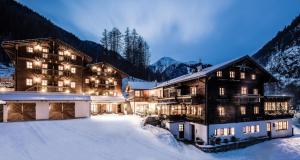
243,75
219,73
244,90
253,76
29,49
232,74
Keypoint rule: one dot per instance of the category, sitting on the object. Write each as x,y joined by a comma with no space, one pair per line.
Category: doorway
269,129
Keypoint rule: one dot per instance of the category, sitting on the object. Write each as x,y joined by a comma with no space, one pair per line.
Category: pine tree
104,39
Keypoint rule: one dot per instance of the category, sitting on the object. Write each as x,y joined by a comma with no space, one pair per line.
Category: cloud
155,20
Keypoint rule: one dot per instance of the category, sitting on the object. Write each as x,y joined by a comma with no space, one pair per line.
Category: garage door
1,112
21,112
62,111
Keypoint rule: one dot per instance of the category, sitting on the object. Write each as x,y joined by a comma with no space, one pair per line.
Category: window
73,84
243,110
28,64
255,91
224,131
60,73
29,49
256,110
221,91
115,83
178,92
44,82
251,129
194,90
243,75
137,93
60,68
219,73
73,57
61,53
253,76
87,80
73,70
281,125
28,82
60,83
44,65
221,111
180,127
45,55
200,111
244,90
45,50
106,82
97,81
61,58
231,74
44,71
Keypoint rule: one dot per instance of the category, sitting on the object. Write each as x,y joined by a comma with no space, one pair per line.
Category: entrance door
1,112
193,132
181,130
269,129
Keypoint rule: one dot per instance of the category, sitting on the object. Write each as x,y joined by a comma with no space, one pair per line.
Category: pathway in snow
112,137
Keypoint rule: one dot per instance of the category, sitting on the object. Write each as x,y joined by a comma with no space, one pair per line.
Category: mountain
19,22
281,57
169,68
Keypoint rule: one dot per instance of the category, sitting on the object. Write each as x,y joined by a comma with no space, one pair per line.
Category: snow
114,99
162,64
114,137
142,85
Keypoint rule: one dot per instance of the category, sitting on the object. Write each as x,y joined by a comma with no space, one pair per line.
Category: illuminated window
224,131
97,81
253,76
60,89
244,90
194,90
44,71
221,111
73,70
269,126
28,64
73,84
219,73
60,73
243,110
180,127
281,125
231,74
137,93
73,57
45,55
256,110
44,65
87,80
251,129
29,49
29,82
61,58
115,82
45,50
61,53
221,91
44,82
60,67
200,111
255,91
60,83
106,82
243,75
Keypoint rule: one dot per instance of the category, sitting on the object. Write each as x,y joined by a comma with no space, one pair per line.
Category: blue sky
186,30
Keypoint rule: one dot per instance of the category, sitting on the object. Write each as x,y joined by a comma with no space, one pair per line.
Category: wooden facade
229,93
50,65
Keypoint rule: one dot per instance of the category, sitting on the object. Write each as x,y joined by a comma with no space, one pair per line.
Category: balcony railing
246,99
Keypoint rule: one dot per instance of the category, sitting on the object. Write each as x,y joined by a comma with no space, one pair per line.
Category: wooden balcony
246,99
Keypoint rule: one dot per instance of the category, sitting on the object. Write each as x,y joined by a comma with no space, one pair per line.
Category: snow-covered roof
40,96
108,99
205,72
142,85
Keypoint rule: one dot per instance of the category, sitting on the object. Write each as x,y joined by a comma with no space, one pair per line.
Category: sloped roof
40,96
142,85
207,71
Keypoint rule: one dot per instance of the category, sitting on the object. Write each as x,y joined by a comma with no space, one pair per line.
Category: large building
52,68
223,101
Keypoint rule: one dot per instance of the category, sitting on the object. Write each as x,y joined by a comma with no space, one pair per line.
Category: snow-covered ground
112,137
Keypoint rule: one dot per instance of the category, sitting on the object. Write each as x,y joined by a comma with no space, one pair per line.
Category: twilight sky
185,30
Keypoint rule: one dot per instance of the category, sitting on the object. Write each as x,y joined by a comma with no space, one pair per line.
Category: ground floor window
251,129
180,127
224,131
281,125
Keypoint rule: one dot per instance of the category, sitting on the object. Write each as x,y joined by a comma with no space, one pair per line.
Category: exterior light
67,66
94,68
2,89
108,69
92,79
